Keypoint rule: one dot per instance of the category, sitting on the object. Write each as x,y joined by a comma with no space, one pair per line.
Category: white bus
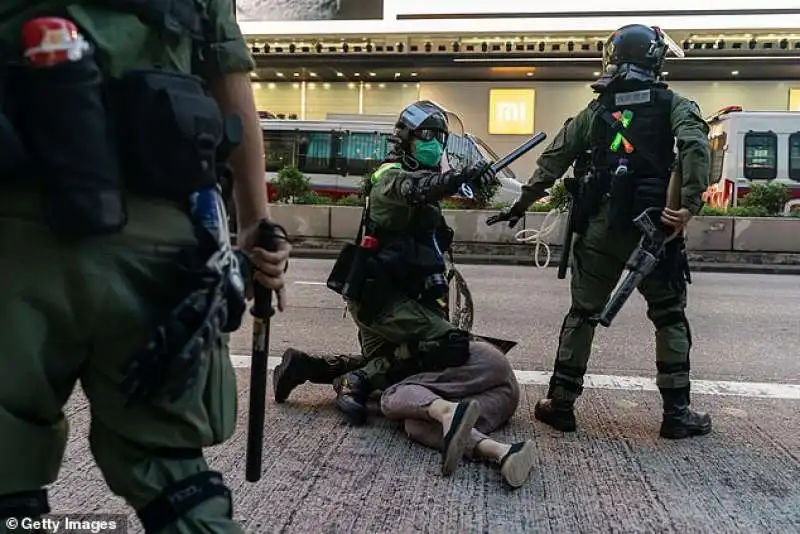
749,147
336,154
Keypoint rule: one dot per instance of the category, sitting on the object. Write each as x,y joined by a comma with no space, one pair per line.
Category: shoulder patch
636,97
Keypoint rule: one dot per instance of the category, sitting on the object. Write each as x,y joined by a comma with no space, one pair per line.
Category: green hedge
763,200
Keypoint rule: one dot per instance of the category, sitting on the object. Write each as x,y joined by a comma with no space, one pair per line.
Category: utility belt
628,195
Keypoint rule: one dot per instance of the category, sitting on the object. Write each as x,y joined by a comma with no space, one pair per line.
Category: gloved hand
479,174
512,215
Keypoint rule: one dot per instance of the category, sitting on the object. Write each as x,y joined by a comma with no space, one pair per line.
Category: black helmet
636,45
423,120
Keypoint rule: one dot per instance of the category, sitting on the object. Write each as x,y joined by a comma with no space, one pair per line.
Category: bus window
760,156
280,149
362,151
717,146
794,156
314,153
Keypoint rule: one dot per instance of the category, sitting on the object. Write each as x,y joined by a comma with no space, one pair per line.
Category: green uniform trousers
598,260
78,310
390,342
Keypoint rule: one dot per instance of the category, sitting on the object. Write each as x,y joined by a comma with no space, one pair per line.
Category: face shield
671,45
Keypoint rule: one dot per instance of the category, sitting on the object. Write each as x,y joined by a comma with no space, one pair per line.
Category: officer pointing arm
570,141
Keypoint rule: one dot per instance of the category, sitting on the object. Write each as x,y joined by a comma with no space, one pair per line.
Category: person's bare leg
516,461
458,421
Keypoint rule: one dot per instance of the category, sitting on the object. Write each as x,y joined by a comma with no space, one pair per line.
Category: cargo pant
598,260
389,342
74,311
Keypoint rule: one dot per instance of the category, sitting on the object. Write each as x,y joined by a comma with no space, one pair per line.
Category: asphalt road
613,475
744,327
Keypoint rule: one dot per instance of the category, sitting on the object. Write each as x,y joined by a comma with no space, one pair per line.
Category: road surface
613,475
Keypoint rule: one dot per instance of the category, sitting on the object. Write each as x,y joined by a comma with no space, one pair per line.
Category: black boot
556,411
352,392
297,367
679,421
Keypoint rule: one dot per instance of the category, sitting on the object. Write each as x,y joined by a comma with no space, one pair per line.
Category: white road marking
629,383
303,283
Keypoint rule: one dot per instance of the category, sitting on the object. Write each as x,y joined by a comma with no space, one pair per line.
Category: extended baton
262,312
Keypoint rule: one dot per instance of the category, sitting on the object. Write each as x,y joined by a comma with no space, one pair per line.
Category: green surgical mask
428,153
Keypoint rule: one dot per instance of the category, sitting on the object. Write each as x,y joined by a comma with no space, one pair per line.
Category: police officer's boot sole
555,414
685,425
350,404
285,375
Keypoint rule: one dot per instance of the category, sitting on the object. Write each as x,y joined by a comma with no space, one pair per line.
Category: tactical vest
637,170
410,254
646,113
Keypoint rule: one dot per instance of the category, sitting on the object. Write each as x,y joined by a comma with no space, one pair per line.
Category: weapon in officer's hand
572,185
508,159
262,311
648,253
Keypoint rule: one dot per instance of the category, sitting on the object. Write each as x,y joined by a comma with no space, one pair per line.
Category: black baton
261,311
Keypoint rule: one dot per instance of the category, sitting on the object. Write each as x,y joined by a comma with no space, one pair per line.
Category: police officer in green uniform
89,285
631,163
403,327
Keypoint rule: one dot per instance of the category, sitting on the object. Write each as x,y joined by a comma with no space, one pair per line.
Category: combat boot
298,367
352,393
556,411
679,421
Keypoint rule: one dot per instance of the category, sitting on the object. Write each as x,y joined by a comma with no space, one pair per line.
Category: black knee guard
24,504
450,350
181,497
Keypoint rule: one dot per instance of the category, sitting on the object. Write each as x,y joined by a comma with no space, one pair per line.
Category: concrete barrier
470,227
345,221
710,233
766,234
301,220
725,234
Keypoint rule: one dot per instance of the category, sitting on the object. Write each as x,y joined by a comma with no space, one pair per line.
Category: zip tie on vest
539,237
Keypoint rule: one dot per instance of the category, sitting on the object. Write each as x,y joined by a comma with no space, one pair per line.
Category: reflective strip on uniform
376,176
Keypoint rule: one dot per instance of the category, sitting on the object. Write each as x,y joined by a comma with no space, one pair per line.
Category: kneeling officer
394,282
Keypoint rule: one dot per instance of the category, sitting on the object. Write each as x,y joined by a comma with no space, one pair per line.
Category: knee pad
24,504
449,350
176,500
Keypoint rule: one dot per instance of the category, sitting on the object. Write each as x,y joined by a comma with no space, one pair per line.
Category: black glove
479,174
511,215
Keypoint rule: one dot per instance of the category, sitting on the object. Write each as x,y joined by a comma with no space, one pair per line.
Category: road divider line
629,383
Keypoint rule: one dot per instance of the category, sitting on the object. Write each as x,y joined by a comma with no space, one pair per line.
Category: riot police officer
102,231
403,328
631,129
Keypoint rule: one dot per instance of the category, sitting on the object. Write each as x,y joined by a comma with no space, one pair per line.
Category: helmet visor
672,46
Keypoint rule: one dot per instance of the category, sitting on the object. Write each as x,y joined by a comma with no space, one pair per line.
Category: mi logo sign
794,99
511,111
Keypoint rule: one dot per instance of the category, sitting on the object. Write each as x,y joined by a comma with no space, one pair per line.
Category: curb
489,259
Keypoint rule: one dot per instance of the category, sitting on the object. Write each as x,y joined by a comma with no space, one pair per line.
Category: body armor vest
637,167
410,249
